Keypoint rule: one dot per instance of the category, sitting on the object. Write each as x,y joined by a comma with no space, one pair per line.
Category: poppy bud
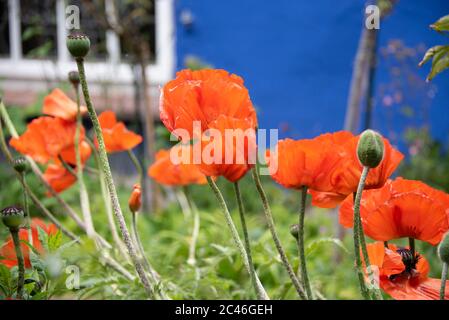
74,78
294,231
78,44
13,217
135,200
443,249
20,164
370,149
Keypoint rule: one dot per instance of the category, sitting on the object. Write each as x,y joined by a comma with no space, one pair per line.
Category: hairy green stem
196,227
137,165
360,244
84,198
26,206
107,203
301,244
443,281
277,242
108,260
110,182
20,263
154,276
259,292
235,235
37,171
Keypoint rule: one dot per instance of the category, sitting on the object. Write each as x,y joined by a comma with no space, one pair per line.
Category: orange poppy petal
403,290
58,104
107,119
166,172
203,96
7,250
45,138
59,178
328,200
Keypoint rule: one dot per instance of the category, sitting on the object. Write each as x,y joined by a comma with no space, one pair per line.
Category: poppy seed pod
78,44
294,230
74,78
370,149
13,217
20,164
443,249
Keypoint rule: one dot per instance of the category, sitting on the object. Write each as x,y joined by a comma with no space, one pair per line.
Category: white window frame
112,70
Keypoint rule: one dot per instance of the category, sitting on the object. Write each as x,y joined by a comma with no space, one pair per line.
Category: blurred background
310,66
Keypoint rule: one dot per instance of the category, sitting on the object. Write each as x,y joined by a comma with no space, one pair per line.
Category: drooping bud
78,44
294,231
370,149
20,164
443,249
74,78
13,217
135,200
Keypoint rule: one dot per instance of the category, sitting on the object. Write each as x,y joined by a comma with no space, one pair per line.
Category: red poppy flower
403,275
180,172
45,138
343,179
59,105
135,200
116,136
59,177
297,163
203,96
401,208
8,252
229,149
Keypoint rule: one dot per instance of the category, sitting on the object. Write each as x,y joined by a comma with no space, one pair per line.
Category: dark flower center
409,259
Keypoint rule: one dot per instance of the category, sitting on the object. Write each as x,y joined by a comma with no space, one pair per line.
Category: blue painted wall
296,58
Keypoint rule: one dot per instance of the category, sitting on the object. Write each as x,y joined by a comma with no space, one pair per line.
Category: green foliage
428,160
440,53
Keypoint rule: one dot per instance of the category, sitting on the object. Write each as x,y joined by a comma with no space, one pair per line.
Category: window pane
92,23
38,23
4,29
138,16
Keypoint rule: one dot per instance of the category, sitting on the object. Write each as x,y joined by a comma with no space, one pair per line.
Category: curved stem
274,235
137,165
84,198
238,195
20,263
443,281
302,256
37,171
196,227
110,182
360,243
27,190
235,234
26,206
154,276
107,203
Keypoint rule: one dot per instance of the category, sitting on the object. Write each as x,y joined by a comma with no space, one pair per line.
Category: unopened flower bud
370,149
20,164
78,44
443,249
135,200
294,230
13,217
74,78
